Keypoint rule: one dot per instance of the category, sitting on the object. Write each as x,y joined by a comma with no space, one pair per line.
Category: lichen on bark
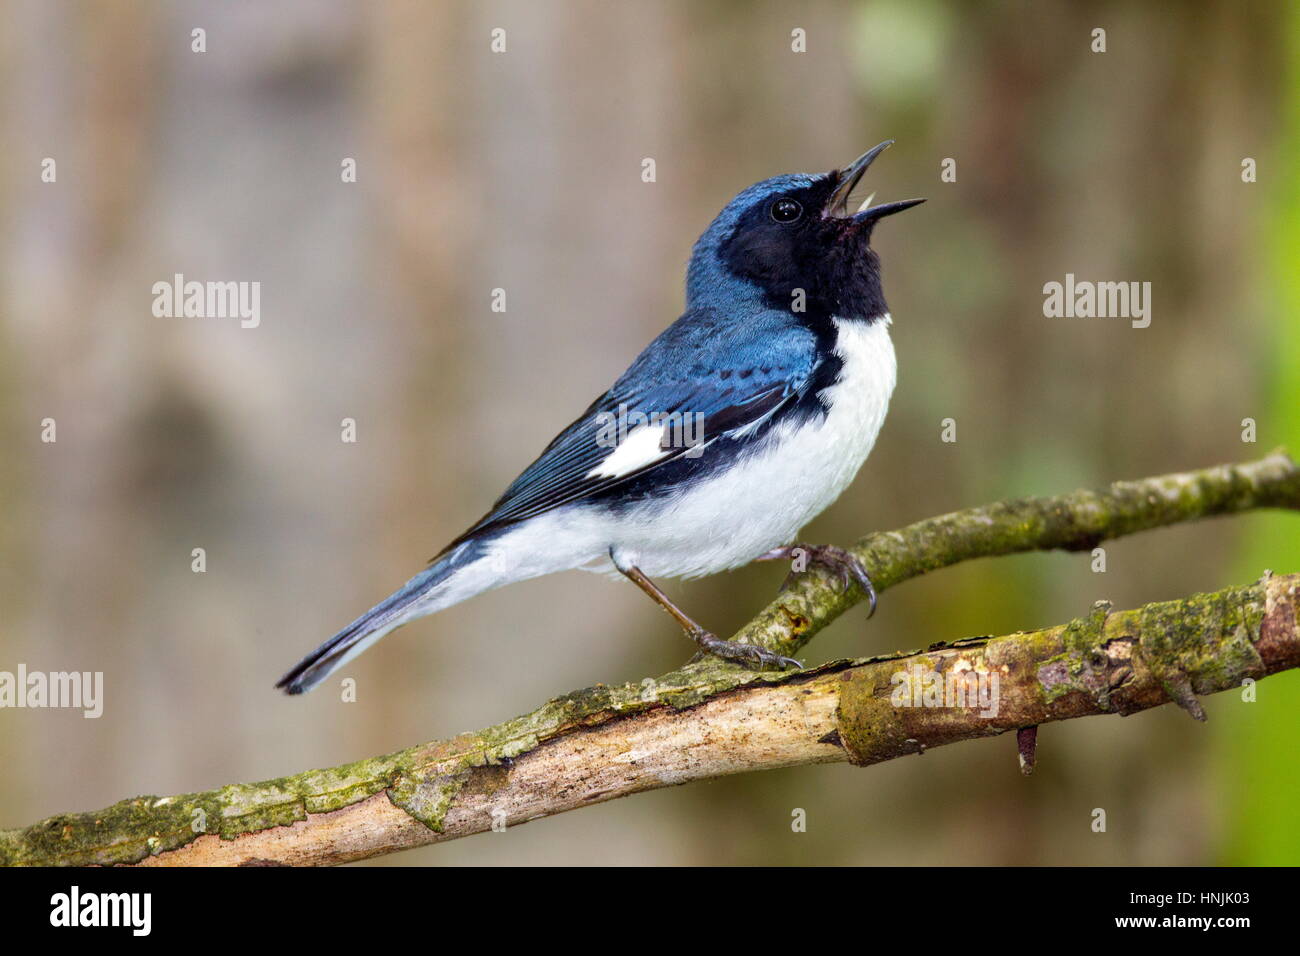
1099,663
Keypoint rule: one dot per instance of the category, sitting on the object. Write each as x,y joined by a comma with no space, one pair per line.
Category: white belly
723,522
765,501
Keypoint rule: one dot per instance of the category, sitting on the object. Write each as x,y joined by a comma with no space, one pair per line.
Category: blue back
730,358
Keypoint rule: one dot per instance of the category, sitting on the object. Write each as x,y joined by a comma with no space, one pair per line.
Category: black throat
827,274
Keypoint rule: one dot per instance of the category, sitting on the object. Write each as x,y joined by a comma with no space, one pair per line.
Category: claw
744,653
834,559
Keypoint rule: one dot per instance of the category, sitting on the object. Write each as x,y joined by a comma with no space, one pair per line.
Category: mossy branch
710,719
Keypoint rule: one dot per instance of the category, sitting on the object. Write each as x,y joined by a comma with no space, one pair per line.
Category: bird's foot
750,654
841,562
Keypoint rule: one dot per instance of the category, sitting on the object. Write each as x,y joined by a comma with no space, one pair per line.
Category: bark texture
710,719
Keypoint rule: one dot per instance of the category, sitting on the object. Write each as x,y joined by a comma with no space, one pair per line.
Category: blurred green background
522,171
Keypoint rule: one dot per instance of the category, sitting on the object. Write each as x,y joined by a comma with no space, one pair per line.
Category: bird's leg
708,642
844,563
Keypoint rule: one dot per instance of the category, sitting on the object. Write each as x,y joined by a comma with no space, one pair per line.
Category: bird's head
794,233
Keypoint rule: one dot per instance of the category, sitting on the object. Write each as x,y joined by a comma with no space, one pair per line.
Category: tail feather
388,614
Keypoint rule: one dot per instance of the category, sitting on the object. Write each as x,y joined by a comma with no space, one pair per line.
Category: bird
735,427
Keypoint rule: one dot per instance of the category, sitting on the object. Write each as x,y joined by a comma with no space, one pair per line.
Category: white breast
799,470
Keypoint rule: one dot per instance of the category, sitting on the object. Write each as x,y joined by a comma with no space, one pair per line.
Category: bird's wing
732,380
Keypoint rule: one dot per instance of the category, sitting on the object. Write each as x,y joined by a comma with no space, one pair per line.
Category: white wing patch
643,446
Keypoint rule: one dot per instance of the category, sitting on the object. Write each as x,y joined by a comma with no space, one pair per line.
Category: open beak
850,176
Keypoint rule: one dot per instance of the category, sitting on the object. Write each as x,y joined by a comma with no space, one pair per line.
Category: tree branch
709,719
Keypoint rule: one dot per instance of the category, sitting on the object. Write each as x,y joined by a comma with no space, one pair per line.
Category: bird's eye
786,210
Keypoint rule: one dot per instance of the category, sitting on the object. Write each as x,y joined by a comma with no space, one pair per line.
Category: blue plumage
732,375
735,426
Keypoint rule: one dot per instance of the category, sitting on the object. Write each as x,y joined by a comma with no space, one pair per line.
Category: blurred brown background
521,170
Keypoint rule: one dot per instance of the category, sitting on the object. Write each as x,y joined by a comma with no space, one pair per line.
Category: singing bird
734,428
